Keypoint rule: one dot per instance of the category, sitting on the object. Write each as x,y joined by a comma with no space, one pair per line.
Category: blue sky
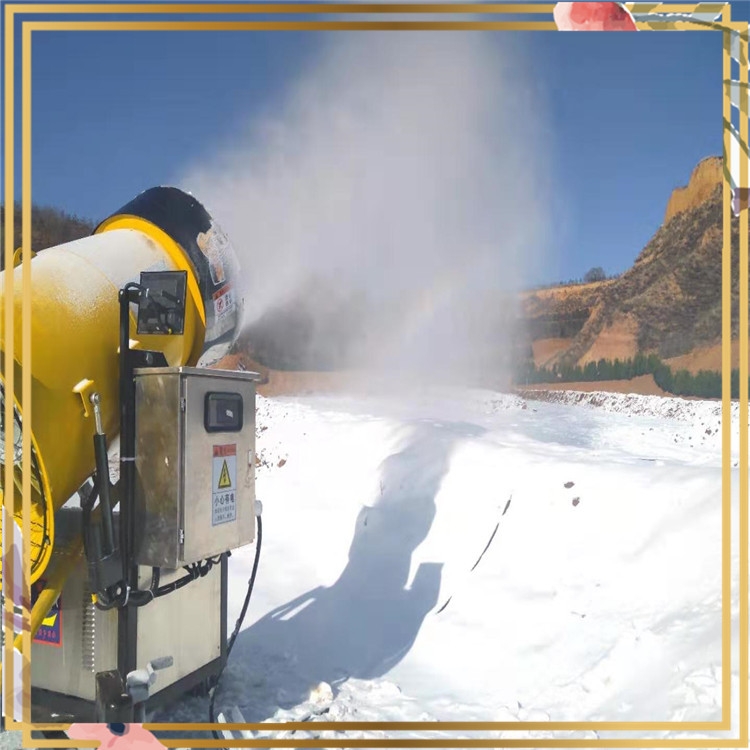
631,116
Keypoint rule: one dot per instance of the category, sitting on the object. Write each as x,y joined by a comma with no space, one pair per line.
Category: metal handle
139,681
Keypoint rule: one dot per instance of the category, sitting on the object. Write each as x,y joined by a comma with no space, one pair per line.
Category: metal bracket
113,704
85,389
147,358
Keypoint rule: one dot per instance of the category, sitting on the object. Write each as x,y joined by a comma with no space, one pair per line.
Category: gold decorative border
657,17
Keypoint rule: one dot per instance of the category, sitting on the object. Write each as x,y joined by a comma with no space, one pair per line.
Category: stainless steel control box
195,464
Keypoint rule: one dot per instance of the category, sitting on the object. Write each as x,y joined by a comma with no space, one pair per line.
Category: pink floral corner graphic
134,738
586,16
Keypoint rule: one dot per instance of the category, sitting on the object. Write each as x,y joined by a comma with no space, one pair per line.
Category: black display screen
223,412
161,309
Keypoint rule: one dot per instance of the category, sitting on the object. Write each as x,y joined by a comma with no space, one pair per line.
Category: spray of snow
381,209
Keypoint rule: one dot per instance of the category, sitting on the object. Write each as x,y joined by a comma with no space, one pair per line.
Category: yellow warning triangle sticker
225,480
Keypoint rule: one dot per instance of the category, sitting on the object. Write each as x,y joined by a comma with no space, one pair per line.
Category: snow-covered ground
467,555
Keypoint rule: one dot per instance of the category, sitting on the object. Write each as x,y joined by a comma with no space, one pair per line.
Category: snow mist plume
385,207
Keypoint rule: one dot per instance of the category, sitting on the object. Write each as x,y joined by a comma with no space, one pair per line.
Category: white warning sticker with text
224,484
214,244
223,302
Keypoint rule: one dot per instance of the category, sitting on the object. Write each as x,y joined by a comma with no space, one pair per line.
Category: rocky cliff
668,302
703,182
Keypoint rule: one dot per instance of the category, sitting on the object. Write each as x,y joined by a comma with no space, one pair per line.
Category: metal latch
85,389
138,684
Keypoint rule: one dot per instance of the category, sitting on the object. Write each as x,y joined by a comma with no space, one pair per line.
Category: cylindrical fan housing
75,330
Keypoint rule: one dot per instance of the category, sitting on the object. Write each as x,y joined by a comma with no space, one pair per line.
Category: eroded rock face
704,180
667,303
617,340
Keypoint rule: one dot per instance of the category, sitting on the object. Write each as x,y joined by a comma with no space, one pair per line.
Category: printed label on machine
50,631
224,484
223,302
213,244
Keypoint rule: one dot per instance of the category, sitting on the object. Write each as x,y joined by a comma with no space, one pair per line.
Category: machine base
189,624
50,707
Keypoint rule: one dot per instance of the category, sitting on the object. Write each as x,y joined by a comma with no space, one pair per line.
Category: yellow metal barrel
75,336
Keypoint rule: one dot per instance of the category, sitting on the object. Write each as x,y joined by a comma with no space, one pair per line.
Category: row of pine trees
703,384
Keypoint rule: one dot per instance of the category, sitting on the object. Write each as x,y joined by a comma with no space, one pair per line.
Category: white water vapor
397,191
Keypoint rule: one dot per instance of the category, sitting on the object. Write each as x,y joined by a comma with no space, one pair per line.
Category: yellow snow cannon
132,576
74,336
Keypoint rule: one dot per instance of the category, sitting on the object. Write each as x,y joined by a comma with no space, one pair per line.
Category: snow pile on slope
689,410
469,556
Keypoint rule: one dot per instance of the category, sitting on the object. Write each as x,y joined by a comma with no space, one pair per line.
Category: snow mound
476,556
686,410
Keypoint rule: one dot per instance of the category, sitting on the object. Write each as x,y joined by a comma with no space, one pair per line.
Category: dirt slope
668,303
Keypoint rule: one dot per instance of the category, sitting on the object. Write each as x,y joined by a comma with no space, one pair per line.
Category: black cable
250,585
140,598
237,626
127,442
104,603
105,503
103,600
86,508
175,585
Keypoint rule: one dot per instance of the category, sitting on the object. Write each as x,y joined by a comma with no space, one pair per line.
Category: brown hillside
545,350
671,297
617,340
705,358
669,302
560,312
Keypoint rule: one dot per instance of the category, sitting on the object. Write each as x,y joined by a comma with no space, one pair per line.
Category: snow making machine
129,577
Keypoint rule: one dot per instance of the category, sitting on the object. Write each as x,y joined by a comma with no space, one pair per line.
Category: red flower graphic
585,16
